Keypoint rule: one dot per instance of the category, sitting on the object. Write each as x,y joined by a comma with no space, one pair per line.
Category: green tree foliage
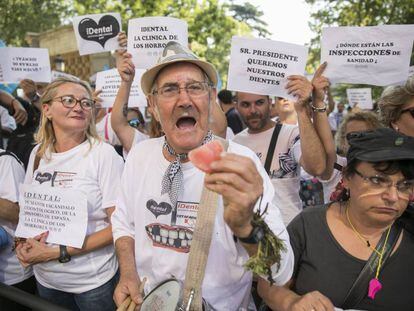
17,17
354,13
252,16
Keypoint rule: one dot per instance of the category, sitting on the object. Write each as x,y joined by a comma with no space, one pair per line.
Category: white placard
62,212
376,55
147,37
59,74
24,63
362,97
262,66
109,81
97,33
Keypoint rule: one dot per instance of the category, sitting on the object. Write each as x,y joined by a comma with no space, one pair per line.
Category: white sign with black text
261,66
376,55
109,81
147,37
362,98
24,63
59,74
62,212
97,33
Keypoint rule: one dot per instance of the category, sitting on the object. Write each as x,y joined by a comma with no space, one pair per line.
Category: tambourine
167,296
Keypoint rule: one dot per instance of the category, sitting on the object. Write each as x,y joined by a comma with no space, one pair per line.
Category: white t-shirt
94,170
11,175
285,168
163,234
138,136
105,131
7,121
229,133
329,184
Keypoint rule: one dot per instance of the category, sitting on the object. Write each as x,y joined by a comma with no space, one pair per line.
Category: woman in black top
333,244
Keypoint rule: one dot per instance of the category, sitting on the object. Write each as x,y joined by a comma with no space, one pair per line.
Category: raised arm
320,119
119,121
313,158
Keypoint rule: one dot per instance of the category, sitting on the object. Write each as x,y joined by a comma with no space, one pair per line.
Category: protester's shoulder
9,159
241,135
103,150
235,147
145,147
309,216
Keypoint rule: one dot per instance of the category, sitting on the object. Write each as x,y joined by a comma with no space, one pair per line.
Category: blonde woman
396,107
69,154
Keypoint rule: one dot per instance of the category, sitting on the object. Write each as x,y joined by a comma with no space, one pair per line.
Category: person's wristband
317,109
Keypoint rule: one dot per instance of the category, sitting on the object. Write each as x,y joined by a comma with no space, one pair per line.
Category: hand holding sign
126,67
301,88
35,250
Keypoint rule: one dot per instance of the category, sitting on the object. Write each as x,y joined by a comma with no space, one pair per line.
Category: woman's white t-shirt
95,169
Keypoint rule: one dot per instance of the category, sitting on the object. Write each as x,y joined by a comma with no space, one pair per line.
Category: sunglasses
410,110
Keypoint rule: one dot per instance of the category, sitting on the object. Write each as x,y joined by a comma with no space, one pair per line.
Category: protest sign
97,33
361,97
109,81
376,55
262,66
62,212
148,36
24,63
58,74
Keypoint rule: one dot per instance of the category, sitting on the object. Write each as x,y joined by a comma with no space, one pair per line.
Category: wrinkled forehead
249,97
179,72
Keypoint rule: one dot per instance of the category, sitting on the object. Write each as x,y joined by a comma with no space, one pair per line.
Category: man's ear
153,107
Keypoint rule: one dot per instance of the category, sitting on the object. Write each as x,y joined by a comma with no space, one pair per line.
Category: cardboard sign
62,212
376,55
97,33
360,97
58,74
109,81
262,66
24,63
148,36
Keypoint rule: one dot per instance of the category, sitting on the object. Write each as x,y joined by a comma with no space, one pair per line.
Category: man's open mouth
185,123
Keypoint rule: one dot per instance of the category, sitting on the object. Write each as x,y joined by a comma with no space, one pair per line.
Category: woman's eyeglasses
70,101
405,188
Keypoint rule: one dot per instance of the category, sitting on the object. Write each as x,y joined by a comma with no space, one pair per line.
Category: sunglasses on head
410,110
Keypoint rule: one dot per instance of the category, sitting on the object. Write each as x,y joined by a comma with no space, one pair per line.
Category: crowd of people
333,186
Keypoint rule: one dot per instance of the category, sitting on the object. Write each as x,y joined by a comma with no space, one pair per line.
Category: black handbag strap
12,155
360,287
272,146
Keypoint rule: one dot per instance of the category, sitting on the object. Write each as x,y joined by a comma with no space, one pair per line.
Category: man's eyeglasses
193,89
70,101
410,110
405,188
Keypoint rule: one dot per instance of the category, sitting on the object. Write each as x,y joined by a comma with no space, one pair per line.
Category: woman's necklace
374,285
360,236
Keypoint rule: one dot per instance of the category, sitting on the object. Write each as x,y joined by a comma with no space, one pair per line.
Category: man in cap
160,193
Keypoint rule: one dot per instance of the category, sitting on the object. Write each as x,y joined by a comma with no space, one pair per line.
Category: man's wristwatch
64,255
255,236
